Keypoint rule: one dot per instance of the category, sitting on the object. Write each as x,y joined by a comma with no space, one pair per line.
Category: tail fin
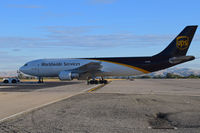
179,46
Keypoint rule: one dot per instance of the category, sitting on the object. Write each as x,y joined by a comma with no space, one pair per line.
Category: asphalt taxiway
142,105
21,97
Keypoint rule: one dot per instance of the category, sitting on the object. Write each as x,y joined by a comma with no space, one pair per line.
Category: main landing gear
94,81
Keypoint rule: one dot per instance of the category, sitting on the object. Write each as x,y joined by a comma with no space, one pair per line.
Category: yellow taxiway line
98,87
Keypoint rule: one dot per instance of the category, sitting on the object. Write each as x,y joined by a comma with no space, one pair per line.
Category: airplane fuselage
53,67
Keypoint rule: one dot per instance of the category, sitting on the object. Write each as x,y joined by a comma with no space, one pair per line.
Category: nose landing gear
40,80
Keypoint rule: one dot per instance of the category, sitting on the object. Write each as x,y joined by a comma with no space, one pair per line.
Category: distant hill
178,71
8,74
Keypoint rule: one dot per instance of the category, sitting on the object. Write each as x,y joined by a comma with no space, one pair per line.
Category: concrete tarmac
188,87
139,106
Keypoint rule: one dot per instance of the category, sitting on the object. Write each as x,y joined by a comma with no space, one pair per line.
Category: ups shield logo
182,42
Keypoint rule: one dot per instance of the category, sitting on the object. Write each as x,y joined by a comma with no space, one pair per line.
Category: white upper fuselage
53,67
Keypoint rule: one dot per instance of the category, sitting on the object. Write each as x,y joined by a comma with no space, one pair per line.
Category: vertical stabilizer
179,46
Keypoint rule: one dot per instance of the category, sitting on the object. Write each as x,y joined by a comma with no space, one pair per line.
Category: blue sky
32,29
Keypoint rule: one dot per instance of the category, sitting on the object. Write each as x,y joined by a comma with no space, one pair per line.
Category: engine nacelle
67,75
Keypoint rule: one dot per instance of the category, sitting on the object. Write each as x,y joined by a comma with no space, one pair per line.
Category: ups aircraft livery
90,68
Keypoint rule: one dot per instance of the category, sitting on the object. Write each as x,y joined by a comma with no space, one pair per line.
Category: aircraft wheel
91,81
6,81
105,81
101,81
96,81
14,81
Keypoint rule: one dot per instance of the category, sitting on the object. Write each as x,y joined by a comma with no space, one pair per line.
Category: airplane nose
21,69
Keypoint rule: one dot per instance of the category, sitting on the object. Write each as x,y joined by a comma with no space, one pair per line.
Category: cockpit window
26,65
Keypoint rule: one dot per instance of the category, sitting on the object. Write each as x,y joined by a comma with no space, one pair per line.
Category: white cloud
51,14
102,1
11,62
83,36
24,6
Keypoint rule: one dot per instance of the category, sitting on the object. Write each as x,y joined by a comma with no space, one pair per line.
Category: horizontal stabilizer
180,59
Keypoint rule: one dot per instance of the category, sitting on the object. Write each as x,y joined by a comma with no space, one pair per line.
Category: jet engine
67,75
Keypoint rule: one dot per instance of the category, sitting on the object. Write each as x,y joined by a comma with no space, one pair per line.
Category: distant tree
171,75
193,76
157,77
145,77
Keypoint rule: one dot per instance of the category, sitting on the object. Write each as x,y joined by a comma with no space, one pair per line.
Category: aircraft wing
89,70
92,68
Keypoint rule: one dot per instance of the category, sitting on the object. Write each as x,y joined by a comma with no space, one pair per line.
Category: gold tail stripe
137,68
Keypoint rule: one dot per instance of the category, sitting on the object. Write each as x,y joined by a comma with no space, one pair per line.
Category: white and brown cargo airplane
90,68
